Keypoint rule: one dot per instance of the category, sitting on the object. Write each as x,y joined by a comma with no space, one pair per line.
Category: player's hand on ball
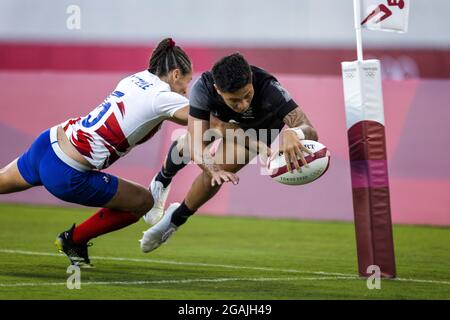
221,176
293,150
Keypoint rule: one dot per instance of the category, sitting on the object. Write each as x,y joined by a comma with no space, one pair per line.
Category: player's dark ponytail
166,57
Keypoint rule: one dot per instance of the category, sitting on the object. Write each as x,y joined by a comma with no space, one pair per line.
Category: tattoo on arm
297,118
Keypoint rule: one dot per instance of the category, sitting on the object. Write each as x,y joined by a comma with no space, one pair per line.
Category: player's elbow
311,133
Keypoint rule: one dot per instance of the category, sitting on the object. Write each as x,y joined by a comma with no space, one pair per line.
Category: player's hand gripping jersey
131,115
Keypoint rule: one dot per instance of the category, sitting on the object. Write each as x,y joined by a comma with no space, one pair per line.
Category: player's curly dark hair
166,57
232,73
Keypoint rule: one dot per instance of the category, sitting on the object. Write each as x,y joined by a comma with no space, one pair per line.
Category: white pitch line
421,280
195,264
181,281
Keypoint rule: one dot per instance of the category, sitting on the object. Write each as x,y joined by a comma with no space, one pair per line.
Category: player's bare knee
2,183
6,184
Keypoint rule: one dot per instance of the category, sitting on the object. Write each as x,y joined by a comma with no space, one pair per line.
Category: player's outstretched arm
200,153
300,128
181,116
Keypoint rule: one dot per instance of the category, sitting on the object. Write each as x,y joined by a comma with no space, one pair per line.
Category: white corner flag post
366,136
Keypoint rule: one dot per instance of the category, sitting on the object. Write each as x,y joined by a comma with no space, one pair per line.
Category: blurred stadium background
49,73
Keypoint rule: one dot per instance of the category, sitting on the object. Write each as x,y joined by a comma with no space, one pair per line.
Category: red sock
103,221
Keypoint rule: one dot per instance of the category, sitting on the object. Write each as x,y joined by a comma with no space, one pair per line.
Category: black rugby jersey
270,103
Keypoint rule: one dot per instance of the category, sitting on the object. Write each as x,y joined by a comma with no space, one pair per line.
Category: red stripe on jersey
150,134
71,122
113,156
82,142
121,108
111,132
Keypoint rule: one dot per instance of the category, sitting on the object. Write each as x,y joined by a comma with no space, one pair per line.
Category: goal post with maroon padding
367,140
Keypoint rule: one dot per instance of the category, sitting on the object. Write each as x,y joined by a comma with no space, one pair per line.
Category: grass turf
215,258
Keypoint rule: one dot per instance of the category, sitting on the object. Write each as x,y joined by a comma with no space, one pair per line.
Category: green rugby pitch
215,258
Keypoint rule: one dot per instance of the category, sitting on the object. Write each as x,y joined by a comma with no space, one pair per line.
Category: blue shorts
40,165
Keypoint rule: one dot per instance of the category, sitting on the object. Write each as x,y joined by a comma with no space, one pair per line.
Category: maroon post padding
371,201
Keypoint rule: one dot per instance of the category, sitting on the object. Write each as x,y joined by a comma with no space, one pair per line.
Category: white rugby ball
317,165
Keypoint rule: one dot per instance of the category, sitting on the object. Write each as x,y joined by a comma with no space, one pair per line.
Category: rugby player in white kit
68,158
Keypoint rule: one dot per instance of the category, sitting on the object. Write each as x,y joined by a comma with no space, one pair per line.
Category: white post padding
363,92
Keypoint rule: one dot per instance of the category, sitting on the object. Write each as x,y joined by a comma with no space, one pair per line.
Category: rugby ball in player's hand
317,165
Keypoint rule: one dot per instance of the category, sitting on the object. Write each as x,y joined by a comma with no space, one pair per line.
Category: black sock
174,163
180,216
163,179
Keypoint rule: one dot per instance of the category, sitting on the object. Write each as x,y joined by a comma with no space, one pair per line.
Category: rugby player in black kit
234,95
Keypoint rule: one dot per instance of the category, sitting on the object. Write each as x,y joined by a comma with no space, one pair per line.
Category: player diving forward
68,158
233,96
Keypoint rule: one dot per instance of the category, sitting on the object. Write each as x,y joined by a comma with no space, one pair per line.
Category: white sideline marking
337,276
181,281
195,264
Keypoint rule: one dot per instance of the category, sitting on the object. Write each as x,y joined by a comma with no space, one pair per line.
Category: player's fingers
287,158
268,153
299,154
234,178
216,181
303,148
294,160
224,177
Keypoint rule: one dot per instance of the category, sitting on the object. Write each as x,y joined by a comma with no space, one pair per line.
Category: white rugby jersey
131,115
